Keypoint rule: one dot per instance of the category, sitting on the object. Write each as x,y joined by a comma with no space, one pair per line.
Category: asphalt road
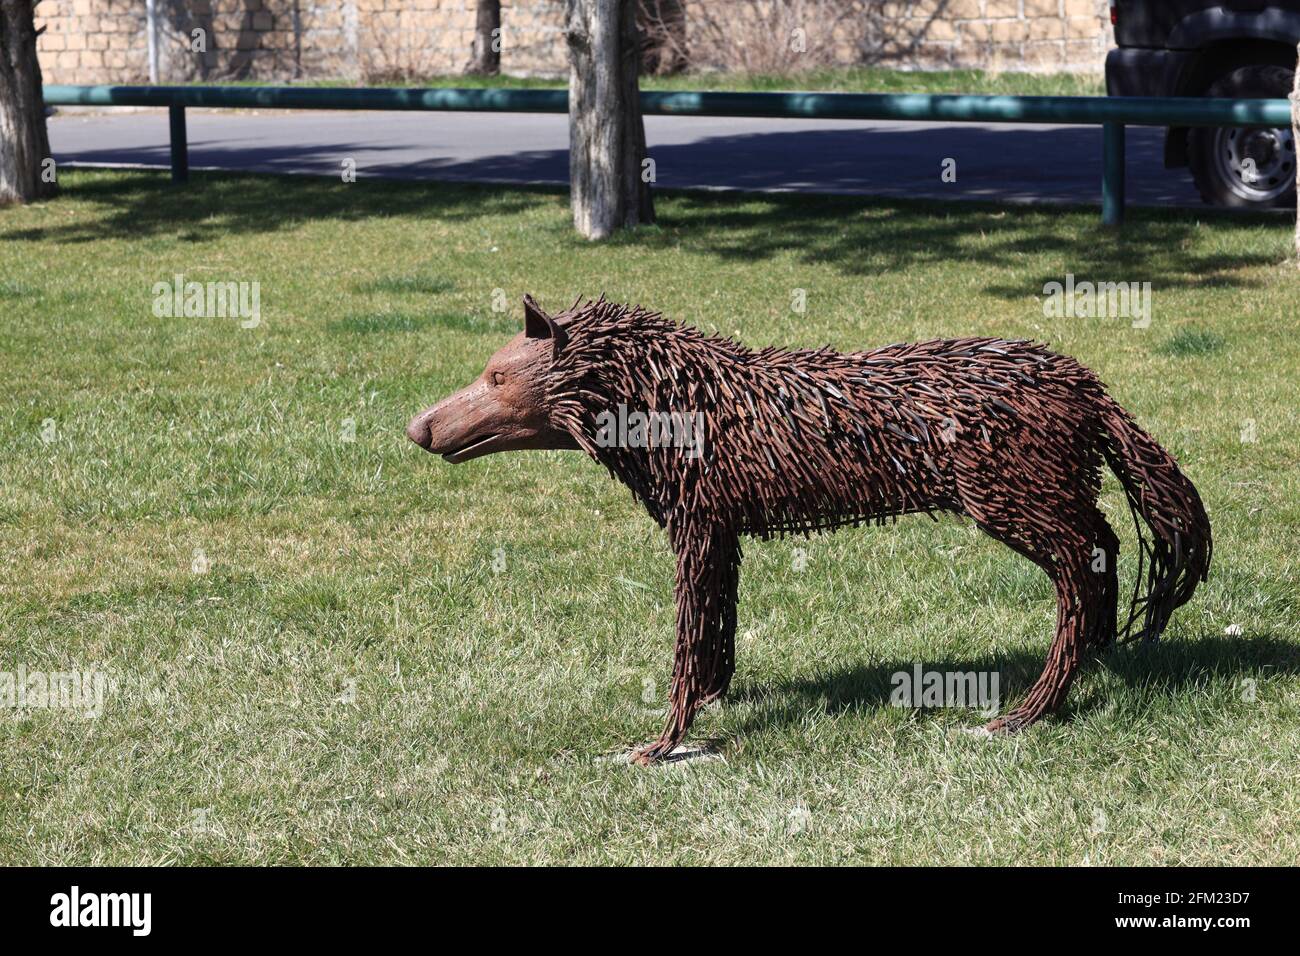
1003,162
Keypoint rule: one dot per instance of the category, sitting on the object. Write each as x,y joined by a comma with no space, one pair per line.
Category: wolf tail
1175,546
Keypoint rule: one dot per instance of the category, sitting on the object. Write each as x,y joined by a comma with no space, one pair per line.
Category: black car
1239,48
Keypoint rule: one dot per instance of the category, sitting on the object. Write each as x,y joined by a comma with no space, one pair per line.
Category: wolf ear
539,325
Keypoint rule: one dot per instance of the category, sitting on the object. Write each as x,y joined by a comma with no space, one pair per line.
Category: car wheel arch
1216,59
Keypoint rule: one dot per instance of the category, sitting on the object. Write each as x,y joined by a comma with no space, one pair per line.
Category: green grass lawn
865,79
389,659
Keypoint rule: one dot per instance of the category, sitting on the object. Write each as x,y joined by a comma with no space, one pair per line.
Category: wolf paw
1011,723
651,753
665,753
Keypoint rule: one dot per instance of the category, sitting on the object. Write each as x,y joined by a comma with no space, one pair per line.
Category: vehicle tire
1220,156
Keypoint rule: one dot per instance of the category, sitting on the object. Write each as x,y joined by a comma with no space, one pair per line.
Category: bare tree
753,36
663,35
24,146
609,185
485,59
781,37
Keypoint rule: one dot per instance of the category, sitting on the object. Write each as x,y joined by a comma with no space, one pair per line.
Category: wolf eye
498,378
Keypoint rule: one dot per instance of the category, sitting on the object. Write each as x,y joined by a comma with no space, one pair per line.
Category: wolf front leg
708,567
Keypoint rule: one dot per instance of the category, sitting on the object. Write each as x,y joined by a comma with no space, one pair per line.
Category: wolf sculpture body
799,441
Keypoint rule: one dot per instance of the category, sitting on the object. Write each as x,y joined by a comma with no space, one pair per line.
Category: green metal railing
1111,113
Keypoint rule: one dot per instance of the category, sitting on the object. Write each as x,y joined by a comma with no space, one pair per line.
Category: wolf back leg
1078,550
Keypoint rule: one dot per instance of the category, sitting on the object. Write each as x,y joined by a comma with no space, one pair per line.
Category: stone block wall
392,41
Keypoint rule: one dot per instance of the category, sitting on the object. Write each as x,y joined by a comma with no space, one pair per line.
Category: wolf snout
418,431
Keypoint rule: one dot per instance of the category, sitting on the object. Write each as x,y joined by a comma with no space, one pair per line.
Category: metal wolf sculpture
798,441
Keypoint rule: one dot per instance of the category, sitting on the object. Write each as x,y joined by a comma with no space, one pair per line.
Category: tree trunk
486,57
24,145
608,186
1295,132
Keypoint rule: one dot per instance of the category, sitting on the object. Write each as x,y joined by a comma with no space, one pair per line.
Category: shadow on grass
214,206
857,236
865,237
1163,669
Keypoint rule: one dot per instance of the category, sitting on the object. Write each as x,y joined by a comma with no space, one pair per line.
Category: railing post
180,146
1112,174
